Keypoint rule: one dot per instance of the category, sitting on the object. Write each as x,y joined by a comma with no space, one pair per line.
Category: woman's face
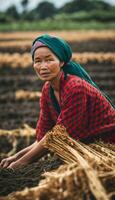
46,64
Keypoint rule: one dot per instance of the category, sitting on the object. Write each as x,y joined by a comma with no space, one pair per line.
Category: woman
69,97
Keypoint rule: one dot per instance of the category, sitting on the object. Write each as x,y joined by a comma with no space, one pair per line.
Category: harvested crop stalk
100,147
59,141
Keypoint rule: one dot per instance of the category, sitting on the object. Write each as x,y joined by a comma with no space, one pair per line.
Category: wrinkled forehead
44,53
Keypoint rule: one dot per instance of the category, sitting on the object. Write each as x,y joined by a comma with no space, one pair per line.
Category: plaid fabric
85,112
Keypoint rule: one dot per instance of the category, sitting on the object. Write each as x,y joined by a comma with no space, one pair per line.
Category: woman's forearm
25,150
14,161
33,153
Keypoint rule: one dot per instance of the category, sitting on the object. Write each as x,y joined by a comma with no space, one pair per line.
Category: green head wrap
58,46
63,51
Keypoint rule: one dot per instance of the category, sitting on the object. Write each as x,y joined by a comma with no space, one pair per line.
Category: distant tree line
75,10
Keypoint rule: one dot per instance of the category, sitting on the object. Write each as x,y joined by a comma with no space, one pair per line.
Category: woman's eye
49,60
37,61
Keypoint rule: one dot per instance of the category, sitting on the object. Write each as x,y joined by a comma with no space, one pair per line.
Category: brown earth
28,176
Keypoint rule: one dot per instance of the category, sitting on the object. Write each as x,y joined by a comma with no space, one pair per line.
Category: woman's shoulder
72,82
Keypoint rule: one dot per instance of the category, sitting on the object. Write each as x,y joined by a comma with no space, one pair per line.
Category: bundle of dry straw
89,172
97,161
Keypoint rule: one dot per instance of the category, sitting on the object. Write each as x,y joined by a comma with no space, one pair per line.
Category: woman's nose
44,65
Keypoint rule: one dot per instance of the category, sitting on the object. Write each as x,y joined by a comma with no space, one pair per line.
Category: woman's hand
7,161
26,156
17,164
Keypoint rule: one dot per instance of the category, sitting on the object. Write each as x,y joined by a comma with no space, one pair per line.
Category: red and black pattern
85,112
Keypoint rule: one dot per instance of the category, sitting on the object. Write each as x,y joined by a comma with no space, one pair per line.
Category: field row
67,35
24,46
24,60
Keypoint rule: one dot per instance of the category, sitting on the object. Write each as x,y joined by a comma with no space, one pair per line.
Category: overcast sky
32,3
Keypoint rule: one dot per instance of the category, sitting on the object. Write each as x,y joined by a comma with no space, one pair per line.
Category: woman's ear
61,64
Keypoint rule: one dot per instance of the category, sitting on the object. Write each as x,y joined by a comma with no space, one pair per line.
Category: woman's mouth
44,74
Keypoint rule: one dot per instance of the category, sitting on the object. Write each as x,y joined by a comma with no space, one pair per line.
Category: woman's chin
45,78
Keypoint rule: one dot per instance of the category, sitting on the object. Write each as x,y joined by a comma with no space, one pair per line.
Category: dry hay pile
75,35
89,172
12,141
17,60
23,94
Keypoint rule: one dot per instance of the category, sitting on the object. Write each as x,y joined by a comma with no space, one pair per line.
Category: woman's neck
55,83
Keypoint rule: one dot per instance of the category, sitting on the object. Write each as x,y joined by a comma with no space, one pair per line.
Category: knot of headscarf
64,53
